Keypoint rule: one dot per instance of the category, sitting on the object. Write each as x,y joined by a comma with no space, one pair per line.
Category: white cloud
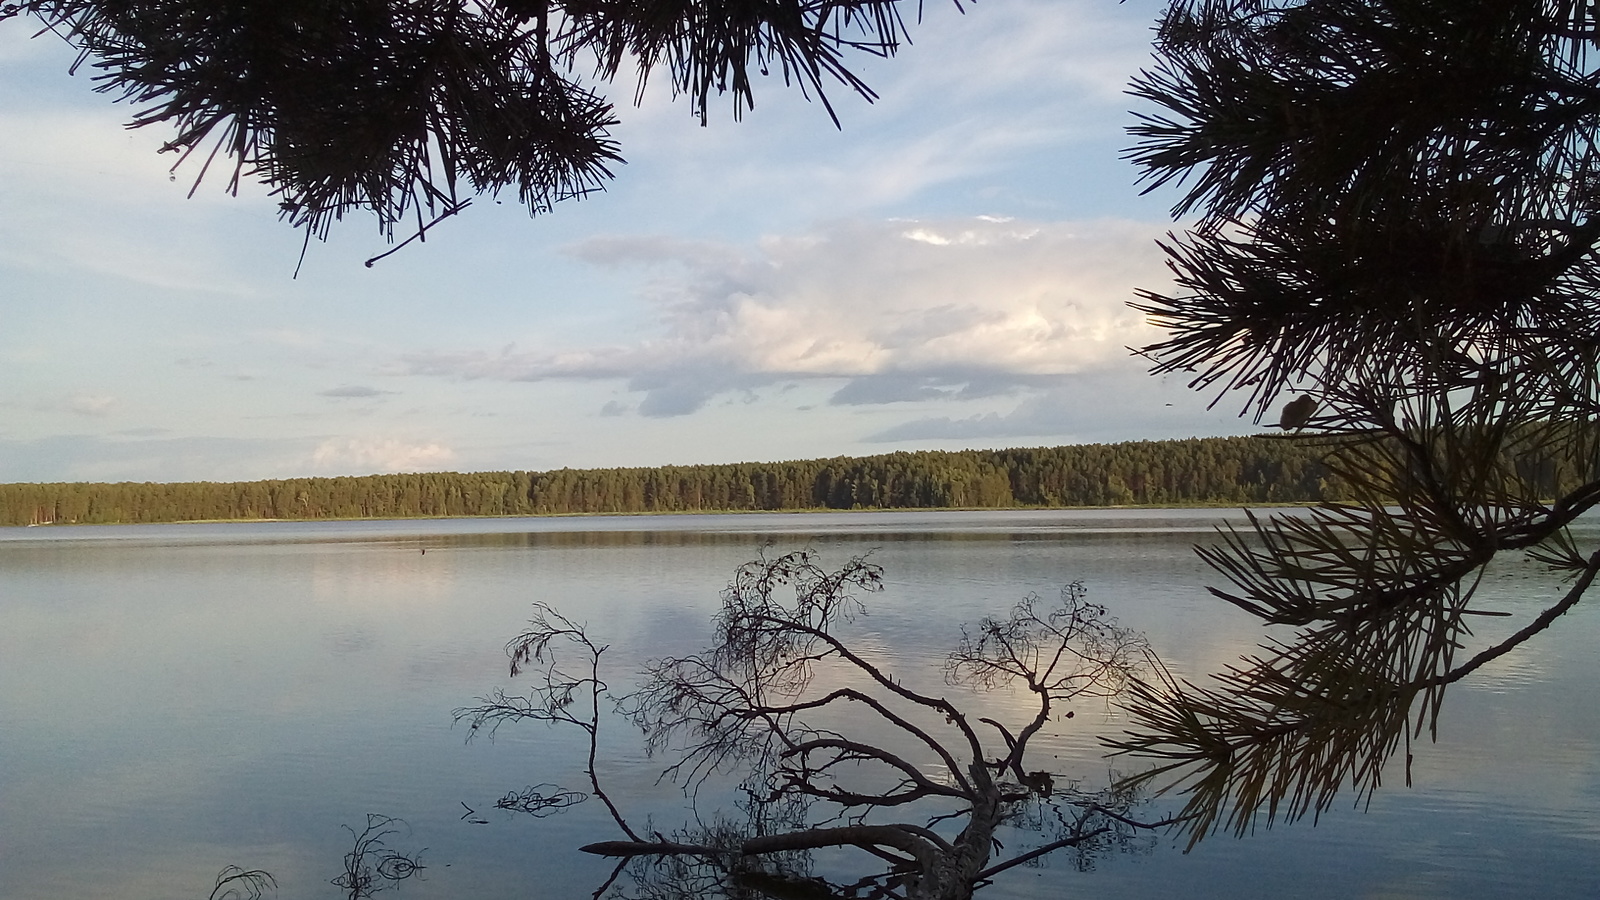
91,404
86,196
380,454
881,389
144,454
1072,50
936,305
970,99
946,287
1116,404
353,391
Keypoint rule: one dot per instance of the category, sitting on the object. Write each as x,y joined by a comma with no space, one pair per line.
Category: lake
179,698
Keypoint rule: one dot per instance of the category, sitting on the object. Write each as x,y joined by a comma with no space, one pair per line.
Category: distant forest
1242,470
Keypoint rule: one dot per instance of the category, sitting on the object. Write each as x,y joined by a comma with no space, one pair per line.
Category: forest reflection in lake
175,699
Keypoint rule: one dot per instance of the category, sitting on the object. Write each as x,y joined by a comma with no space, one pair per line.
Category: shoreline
676,512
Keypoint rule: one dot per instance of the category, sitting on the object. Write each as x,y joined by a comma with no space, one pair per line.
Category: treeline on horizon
1241,470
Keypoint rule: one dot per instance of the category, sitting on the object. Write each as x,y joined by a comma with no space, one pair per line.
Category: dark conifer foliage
1195,471
1407,184
409,108
1396,247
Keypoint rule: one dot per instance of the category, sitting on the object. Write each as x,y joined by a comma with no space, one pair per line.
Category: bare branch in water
234,883
371,865
541,800
558,697
766,700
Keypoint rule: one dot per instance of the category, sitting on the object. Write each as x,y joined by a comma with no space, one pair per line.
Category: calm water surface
178,698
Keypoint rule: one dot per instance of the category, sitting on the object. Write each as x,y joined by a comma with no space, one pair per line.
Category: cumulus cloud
891,389
907,310
381,454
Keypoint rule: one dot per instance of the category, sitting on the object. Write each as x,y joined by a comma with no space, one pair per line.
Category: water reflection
835,751
234,883
373,864
236,694
700,527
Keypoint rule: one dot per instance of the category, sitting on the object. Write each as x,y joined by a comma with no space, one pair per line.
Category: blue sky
948,270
